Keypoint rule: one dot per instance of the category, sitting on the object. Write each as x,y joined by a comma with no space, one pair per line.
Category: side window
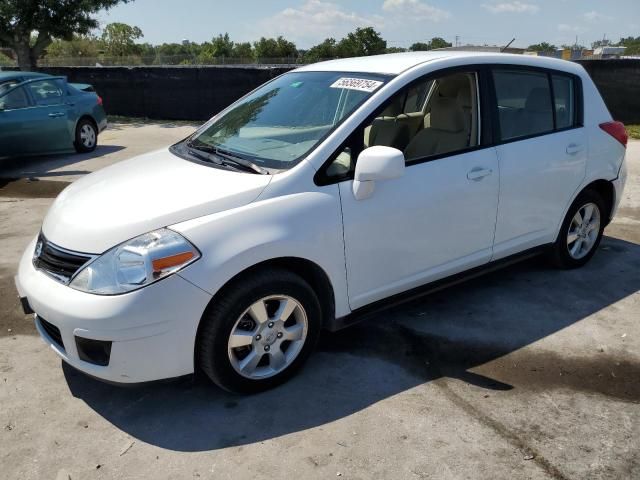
15,99
524,103
564,99
4,86
428,118
47,92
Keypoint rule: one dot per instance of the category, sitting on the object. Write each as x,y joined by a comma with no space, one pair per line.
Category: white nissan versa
311,201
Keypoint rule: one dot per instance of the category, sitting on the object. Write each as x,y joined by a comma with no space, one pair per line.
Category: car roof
396,63
18,74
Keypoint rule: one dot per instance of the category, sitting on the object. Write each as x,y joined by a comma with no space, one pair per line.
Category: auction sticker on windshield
362,84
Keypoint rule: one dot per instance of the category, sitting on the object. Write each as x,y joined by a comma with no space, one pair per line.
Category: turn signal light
160,264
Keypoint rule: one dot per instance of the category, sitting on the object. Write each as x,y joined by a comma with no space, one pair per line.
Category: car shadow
42,165
470,326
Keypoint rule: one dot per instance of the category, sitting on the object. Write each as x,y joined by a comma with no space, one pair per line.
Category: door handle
478,173
56,114
573,148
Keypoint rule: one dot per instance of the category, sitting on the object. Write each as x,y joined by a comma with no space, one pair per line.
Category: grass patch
633,131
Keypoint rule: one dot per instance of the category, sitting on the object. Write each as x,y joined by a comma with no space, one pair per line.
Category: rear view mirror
375,164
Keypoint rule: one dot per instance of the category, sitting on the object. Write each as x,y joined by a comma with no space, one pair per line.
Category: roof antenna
507,45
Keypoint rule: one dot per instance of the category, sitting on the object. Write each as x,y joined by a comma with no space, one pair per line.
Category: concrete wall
197,93
619,85
173,93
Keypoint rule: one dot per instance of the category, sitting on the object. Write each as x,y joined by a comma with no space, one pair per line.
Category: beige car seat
446,133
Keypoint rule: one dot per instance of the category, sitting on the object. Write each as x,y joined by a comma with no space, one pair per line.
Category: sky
401,22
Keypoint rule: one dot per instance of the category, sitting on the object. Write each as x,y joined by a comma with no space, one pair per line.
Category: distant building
609,52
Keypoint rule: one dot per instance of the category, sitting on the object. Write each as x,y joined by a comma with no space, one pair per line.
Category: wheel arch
308,270
606,190
85,116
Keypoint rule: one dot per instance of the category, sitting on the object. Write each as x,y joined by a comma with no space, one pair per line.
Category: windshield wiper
222,157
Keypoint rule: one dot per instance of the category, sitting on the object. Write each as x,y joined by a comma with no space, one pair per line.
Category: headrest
450,85
394,108
447,115
539,100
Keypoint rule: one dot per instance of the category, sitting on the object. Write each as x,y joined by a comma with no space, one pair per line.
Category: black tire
83,145
560,254
212,355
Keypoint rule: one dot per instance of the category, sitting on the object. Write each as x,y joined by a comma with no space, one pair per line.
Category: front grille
59,263
52,331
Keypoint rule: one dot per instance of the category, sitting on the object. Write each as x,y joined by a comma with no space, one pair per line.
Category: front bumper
152,330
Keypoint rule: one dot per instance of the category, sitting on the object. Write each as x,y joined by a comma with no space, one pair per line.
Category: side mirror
374,164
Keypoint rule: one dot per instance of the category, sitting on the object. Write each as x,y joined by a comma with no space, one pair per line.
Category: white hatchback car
320,197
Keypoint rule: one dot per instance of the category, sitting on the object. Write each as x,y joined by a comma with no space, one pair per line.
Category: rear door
51,115
542,154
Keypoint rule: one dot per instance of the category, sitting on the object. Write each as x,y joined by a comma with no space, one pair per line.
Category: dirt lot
527,373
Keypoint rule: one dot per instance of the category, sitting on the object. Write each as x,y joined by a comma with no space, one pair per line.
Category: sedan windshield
282,121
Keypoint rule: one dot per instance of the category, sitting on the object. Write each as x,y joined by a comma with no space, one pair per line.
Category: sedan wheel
86,136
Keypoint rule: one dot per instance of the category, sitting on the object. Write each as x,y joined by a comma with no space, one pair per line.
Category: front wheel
259,331
581,231
86,136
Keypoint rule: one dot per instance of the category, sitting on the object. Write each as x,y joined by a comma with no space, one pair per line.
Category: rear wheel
259,331
581,231
86,136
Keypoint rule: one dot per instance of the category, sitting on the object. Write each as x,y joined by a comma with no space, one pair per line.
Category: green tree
222,46
274,48
119,39
632,44
86,46
322,51
29,26
361,42
435,42
541,47
242,50
395,50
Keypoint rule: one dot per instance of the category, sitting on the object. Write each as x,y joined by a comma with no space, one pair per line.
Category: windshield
282,121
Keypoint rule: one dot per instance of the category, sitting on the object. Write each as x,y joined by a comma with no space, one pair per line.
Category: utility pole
457,40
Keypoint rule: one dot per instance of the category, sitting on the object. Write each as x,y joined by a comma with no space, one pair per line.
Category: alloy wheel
583,230
267,337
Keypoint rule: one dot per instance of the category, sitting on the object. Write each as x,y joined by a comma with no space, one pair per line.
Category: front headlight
136,263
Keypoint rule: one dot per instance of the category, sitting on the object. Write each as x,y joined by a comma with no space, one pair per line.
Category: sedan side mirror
376,163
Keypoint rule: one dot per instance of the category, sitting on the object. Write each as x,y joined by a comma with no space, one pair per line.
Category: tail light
99,100
617,131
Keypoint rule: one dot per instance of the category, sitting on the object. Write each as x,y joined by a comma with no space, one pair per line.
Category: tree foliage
119,39
274,48
361,42
435,42
541,47
30,26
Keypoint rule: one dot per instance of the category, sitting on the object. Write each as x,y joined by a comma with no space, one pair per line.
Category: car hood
136,196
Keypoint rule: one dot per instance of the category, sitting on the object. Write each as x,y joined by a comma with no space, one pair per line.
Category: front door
15,124
438,218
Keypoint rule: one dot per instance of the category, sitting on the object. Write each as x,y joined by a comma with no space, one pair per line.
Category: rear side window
564,101
14,99
524,103
47,92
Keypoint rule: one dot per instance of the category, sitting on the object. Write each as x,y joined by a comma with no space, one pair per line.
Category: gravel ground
526,373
